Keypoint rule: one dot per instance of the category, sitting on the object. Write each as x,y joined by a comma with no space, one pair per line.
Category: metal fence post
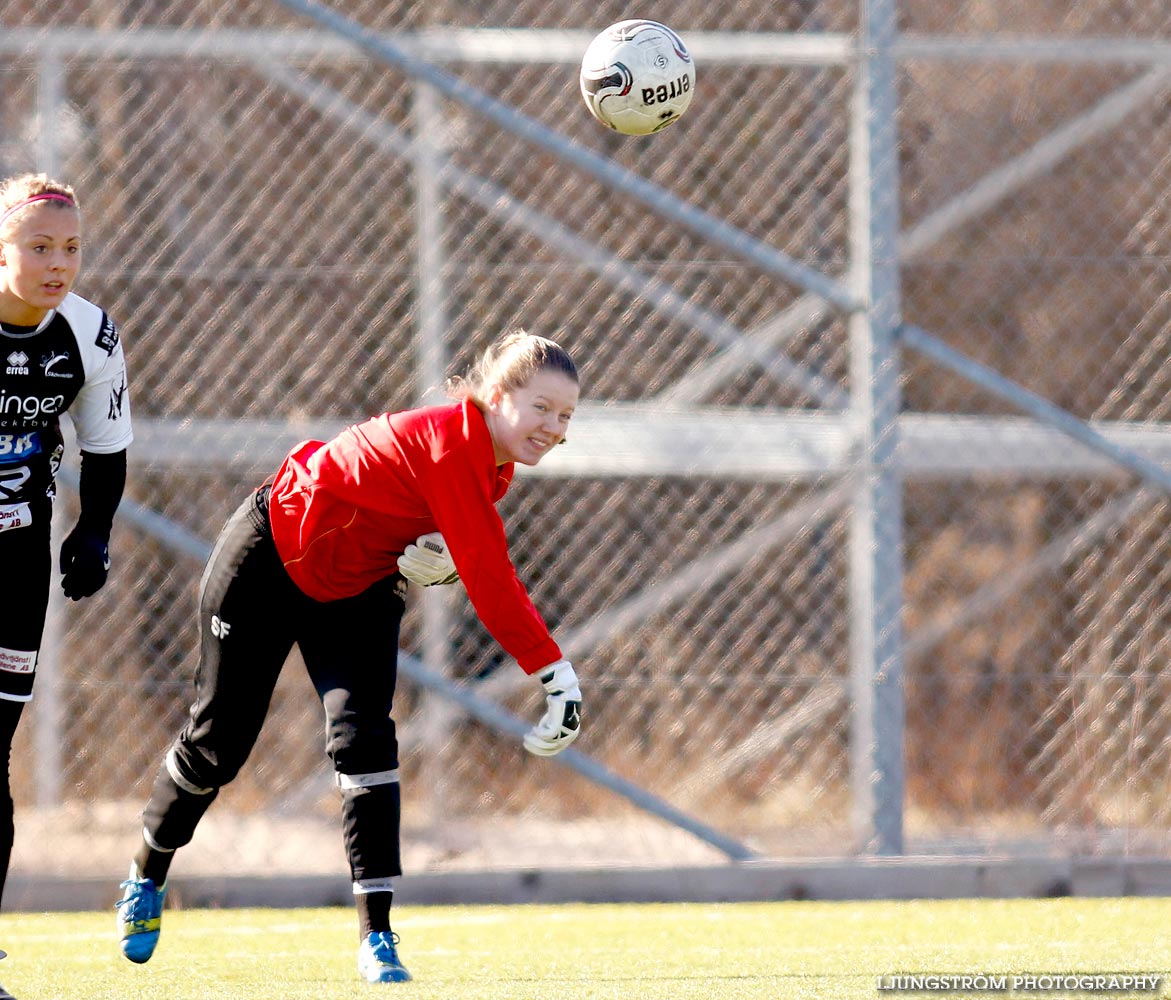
876,732
430,352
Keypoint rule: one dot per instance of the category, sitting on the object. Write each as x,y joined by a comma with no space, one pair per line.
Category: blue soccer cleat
140,916
4,994
378,961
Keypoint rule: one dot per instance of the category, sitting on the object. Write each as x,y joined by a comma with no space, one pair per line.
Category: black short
27,561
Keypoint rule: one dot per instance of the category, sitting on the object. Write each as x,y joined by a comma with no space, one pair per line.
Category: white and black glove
427,562
561,722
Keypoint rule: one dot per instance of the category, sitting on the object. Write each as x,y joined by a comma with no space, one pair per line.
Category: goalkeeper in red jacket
320,558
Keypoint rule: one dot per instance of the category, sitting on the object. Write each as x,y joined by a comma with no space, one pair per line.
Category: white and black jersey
71,362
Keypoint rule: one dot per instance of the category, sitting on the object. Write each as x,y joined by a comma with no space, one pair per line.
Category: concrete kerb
770,880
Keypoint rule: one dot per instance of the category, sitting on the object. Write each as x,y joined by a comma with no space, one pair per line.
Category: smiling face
526,422
40,257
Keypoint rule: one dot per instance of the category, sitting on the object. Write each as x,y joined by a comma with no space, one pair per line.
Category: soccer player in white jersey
58,353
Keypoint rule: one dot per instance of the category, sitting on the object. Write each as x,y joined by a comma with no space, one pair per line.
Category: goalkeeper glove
427,562
85,563
561,722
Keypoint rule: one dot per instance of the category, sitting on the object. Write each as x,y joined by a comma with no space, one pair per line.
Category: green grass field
770,951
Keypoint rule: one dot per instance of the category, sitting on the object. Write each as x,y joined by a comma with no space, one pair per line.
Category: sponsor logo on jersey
18,661
107,335
117,400
17,363
30,406
15,515
49,361
18,447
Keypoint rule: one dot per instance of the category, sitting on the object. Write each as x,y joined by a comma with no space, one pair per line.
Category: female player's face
527,422
39,262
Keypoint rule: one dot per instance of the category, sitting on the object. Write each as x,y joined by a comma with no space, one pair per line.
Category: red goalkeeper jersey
342,512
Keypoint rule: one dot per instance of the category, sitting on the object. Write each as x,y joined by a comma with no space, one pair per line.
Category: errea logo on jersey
17,363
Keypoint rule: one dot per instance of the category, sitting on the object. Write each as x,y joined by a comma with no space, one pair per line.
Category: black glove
85,563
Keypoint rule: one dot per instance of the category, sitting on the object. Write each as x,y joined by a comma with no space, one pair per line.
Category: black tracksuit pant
250,615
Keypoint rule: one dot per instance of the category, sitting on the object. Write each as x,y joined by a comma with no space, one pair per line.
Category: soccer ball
637,77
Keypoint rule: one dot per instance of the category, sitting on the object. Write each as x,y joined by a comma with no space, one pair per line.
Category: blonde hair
26,187
510,363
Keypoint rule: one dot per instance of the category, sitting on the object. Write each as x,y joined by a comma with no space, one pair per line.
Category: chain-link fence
294,233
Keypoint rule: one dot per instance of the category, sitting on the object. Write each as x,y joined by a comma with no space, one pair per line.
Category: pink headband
51,196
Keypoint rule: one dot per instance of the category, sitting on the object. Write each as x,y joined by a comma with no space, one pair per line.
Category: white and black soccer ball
637,77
